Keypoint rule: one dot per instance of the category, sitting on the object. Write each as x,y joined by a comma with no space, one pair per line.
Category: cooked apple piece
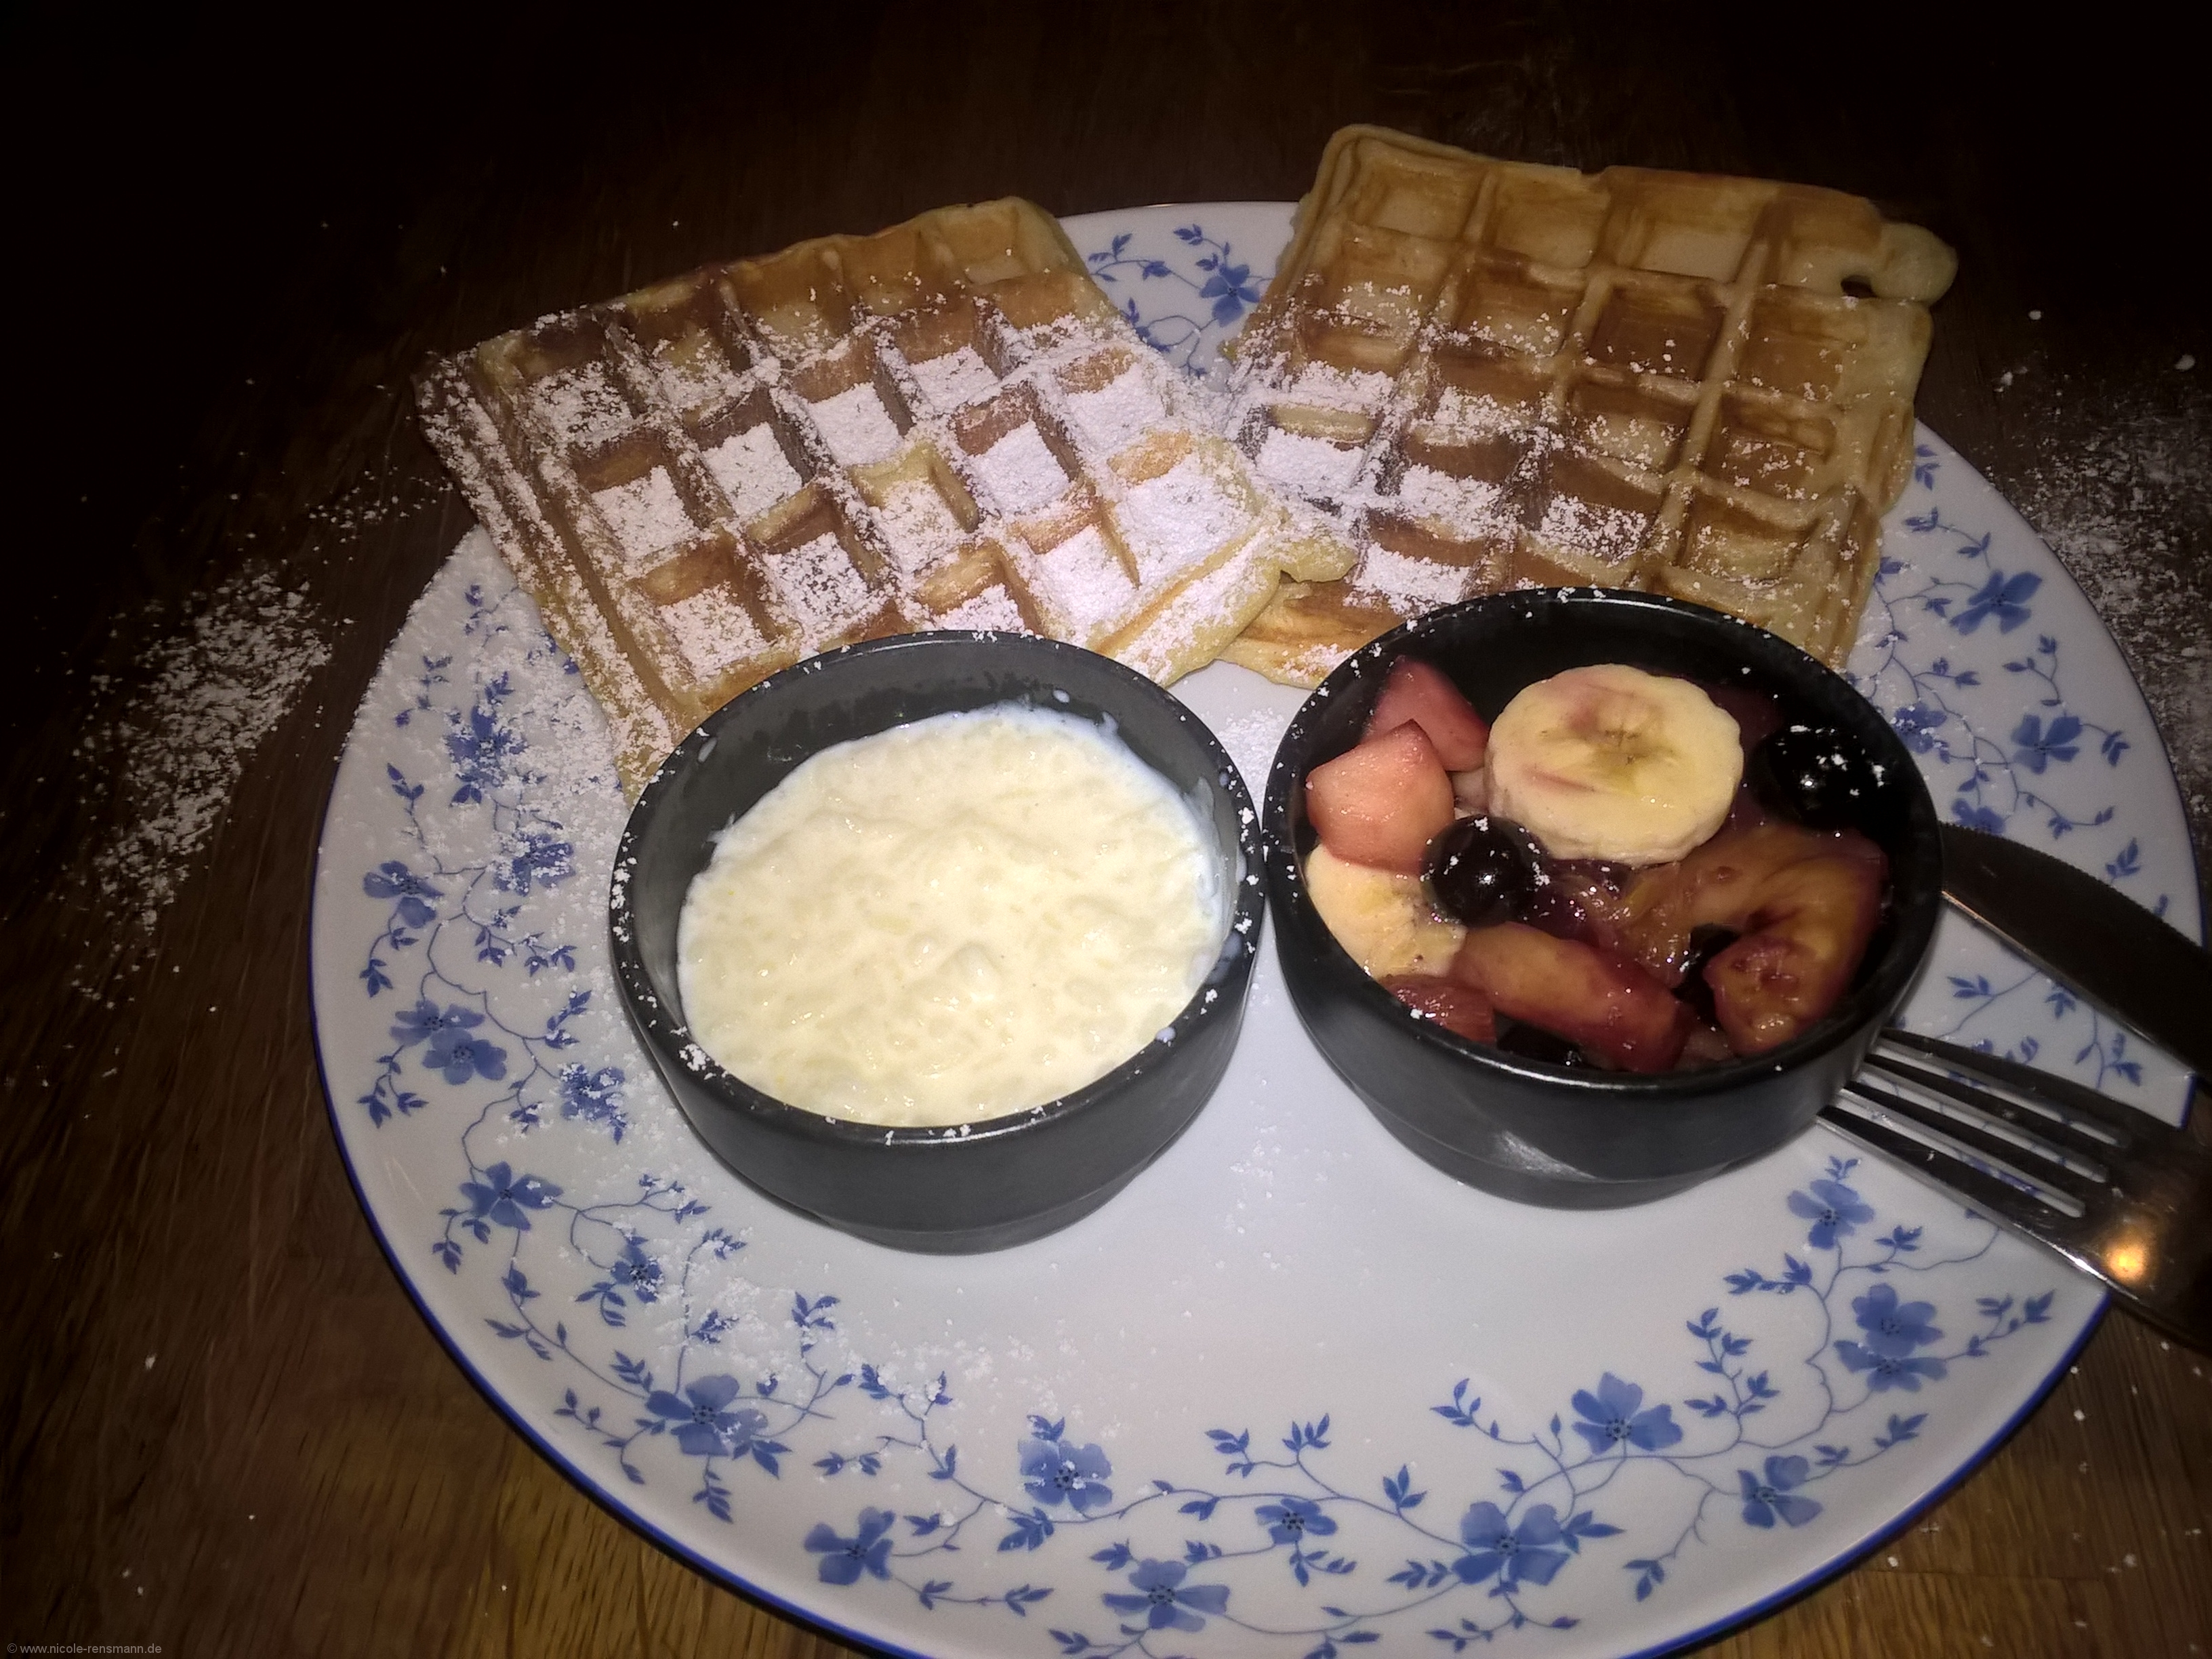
1804,902
1382,919
1801,946
1456,1006
1596,998
1382,802
1426,696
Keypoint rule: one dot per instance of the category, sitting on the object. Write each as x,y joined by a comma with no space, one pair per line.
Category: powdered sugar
1251,738
751,466
215,692
856,426
695,372
1178,519
1084,585
2128,507
1240,579
583,405
1307,465
993,608
956,379
1365,390
645,515
820,589
1468,507
1475,412
1597,532
918,524
1118,413
1021,472
712,630
1420,582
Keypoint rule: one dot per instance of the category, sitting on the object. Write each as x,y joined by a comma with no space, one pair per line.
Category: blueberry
1533,1042
1483,870
1816,775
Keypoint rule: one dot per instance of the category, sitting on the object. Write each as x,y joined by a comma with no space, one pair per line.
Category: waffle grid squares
1622,379
947,424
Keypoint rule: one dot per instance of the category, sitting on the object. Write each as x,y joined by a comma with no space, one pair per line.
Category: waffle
1491,375
945,425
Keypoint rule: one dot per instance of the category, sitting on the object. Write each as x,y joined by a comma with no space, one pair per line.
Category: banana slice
1611,763
1383,919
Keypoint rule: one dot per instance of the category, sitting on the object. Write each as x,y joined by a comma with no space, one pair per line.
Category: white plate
1293,1391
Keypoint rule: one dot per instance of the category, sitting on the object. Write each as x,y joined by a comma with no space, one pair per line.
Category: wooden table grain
228,1432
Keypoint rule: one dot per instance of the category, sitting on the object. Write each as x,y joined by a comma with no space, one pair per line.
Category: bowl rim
669,1040
1888,982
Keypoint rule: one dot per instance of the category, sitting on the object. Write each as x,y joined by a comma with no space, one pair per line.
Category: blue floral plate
1294,1392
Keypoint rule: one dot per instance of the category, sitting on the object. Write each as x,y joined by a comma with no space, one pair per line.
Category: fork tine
2019,1170
2044,1131
2057,1093
1998,1198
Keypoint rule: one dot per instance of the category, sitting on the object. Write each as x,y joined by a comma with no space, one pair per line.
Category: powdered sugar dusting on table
2128,506
214,694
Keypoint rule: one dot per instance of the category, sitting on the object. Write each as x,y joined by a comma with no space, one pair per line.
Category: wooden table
228,1433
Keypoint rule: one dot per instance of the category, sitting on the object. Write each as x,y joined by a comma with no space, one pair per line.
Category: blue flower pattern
1164,1601
703,1422
1834,1210
1222,284
1610,1420
1514,1552
1053,1472
2053,769
1498,1549
1771,1495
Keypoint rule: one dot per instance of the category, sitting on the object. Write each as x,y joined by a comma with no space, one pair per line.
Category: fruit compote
1627,870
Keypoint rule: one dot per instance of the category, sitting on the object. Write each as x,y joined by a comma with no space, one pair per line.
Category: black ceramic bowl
1578,1137
996,1183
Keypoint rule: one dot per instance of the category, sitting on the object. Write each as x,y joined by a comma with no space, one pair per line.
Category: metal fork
2116,1193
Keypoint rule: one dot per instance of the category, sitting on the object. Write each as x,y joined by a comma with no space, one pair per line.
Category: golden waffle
945,425
1494,374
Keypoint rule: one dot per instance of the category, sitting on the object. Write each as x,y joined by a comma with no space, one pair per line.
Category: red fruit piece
1416,692
1382,802
1601,1001
1455,1006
